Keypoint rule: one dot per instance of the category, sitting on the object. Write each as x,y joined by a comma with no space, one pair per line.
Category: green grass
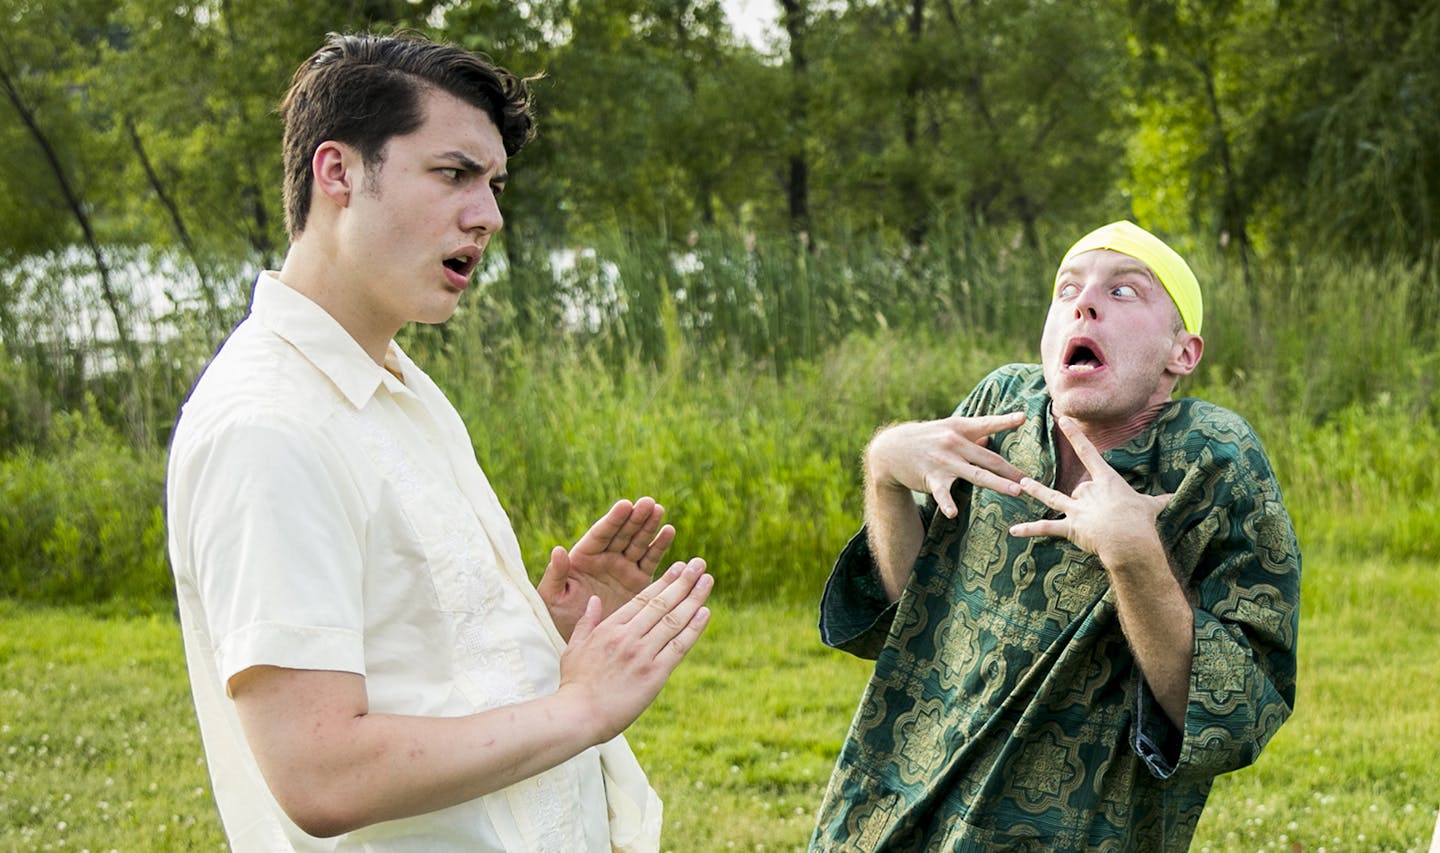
100,749
98,740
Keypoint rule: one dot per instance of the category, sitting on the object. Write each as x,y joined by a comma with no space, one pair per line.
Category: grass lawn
99,751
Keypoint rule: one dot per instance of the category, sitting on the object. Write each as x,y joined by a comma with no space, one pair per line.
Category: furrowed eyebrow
470,164
463,160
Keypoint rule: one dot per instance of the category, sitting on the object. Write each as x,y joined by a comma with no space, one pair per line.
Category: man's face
1112,346
420,219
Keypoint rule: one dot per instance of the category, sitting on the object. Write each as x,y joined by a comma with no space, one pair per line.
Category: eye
451,173
1068,291
1125,291
498,189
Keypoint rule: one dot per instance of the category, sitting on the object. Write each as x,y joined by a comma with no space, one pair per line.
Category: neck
314,275
1105,435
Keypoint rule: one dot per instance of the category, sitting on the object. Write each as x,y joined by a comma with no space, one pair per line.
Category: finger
588,621
656,550
676,630
1007,483
991,424
637,602
992,462
642,528
552,582
1089,456
945,501
604,531
681,644
651,604
1058,528
1058,501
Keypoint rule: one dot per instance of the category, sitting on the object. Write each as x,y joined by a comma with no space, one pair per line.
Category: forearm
349,768
1159,625
893,525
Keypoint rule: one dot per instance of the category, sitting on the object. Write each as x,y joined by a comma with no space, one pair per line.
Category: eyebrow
1127,269
465,161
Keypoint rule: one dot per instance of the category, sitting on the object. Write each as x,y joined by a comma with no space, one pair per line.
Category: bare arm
1117,524
928,457
333,766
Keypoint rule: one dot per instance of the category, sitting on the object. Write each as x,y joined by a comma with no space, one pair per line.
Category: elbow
321,811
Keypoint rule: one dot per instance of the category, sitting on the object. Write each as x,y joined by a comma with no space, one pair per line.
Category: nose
481,214
1087,304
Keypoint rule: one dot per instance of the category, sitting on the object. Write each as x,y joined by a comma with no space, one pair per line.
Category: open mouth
462,264
1083,356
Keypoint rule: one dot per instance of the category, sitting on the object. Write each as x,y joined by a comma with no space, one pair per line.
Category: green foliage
81,520
738,383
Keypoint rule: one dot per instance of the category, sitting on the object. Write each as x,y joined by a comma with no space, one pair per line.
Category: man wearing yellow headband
1093,614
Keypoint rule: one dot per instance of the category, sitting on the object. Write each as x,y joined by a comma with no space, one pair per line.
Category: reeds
737,379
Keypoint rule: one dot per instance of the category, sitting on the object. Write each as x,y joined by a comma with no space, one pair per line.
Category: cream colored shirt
323,514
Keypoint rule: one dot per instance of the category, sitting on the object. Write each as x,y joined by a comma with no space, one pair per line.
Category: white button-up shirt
323,514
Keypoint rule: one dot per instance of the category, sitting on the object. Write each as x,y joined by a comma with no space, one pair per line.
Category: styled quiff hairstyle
362,90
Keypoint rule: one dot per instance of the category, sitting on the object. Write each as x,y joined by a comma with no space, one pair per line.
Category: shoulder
1004,389
255,396
256,372
1198,430
1215,456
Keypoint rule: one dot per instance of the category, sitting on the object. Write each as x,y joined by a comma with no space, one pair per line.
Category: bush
81,520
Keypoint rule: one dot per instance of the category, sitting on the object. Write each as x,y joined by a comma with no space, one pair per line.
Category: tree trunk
207,288
909,130
129,352
1233,221
793,15
72,201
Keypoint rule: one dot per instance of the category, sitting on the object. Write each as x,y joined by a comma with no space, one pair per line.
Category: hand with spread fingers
616,666
929,456
614,560
1104,516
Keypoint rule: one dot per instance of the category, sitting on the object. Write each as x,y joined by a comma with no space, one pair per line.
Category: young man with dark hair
1095,612
372,668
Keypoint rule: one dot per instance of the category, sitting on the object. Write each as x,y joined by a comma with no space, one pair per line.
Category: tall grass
737,380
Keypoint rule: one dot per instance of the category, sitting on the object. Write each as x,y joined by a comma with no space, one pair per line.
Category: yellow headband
1130,239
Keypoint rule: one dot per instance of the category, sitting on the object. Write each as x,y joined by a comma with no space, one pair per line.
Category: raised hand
616,666
1104,516
929,456
614,560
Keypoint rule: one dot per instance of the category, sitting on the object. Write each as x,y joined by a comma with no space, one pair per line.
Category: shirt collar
321,339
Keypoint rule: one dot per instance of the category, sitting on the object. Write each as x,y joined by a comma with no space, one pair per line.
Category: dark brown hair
364,89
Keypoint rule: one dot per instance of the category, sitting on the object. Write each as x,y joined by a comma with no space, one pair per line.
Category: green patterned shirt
1006,711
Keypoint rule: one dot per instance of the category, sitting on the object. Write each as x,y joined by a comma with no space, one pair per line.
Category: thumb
588,620
557,571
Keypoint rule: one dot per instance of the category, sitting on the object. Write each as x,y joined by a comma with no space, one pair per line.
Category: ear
337,170
1185,354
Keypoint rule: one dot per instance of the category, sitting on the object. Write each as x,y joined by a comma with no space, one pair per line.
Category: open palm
615,559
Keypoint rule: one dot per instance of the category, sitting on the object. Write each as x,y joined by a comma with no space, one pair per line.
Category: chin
1082,407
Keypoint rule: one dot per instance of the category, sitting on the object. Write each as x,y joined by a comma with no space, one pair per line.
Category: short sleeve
273,531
